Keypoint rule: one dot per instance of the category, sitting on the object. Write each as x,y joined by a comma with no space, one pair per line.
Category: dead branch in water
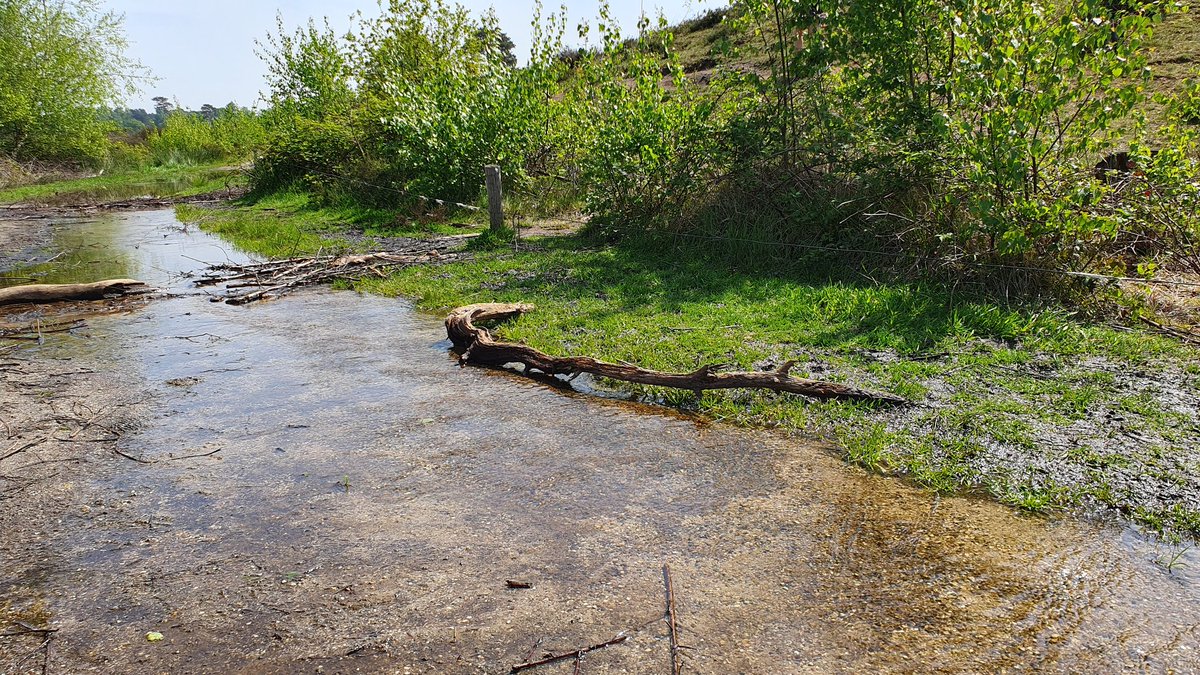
36,330
577,654
276,278
43,293
676,667
477,347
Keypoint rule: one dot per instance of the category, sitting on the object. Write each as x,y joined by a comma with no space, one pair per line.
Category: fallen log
476,346
43,293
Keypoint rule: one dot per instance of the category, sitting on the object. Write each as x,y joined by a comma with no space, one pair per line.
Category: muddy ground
58,420
314,485
23,242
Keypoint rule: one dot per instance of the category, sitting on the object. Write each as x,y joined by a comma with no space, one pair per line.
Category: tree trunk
43,293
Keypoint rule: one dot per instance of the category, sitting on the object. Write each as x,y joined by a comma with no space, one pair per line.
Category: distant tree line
135,120
63,68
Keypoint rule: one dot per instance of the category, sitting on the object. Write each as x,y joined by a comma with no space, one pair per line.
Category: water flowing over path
353,500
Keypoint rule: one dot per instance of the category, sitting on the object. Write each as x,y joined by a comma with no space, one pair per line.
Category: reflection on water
367,500
160,251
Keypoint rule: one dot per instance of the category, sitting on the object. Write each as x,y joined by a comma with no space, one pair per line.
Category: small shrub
124,156
415,102
1185,105
187,138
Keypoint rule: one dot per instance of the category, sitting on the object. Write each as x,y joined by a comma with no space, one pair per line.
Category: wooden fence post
494,190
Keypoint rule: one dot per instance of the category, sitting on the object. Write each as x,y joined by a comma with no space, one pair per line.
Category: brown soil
551,227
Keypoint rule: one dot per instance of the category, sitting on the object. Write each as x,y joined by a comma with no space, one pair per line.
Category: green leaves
62,61
427,95
188,138
979,121
308,72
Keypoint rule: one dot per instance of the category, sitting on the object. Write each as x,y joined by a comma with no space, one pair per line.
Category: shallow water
368,499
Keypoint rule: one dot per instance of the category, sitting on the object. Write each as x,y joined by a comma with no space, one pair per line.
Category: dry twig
14,450
206,454
1177,333
577,654
130,457
675,664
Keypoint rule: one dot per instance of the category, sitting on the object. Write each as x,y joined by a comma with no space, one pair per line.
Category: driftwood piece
477,347
1177,333
42,293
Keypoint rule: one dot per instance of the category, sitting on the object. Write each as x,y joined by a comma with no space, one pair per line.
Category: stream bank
1022,400
314,483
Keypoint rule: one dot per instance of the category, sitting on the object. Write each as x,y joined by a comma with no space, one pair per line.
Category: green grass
288,224
1174,59
175,181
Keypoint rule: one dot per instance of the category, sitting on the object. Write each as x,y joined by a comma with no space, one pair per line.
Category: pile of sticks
243,284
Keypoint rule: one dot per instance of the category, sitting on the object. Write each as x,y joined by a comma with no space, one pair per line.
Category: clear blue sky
203,51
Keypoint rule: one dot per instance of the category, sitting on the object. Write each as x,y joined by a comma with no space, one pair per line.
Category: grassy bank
1024,403
286,224
160,181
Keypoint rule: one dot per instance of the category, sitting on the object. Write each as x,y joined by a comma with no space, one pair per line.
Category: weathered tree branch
42,293
476,346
